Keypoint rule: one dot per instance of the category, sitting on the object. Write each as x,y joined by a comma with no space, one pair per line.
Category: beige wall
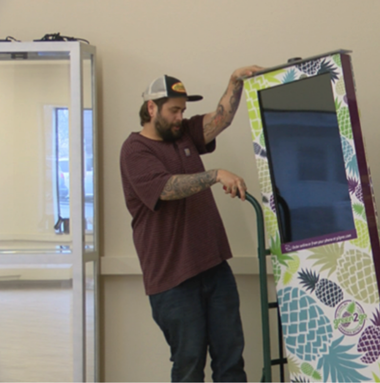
201,42
29,85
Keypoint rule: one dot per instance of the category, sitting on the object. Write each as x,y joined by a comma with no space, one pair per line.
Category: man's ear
152,108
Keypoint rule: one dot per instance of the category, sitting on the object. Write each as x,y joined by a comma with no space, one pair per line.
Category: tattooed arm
215,122
184,185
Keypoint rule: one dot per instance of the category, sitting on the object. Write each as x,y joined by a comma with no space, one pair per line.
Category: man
178,232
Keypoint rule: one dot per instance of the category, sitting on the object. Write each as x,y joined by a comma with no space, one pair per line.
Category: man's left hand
245,72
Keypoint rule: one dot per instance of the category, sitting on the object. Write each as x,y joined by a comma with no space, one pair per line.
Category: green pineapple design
344,121
256,127
375,377
271,225
293,365
290,261
305,368
276,269
355,271
262,82
308,370
262,140
264,178
308,335
340,87
359,210
362,240
292,268
337,60
328,292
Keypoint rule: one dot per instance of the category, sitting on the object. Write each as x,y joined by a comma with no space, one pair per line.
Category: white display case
48,204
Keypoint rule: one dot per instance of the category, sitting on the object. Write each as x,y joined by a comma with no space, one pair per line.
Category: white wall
201,42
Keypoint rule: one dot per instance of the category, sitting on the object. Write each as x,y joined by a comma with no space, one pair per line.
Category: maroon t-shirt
175,240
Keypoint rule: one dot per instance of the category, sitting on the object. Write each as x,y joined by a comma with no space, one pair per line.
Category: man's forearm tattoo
212,128
224,115
235,98
219,116
184,185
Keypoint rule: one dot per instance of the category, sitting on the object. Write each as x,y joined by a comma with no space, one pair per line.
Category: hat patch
178,87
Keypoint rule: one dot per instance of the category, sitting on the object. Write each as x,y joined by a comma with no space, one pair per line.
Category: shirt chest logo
187,152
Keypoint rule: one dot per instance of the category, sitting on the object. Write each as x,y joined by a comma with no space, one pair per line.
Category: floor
36,334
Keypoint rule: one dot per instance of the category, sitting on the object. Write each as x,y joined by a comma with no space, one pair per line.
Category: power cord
58,37
9,39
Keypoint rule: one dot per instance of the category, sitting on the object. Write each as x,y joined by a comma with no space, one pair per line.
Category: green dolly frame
268,362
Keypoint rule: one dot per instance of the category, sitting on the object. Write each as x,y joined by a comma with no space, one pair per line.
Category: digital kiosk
320,216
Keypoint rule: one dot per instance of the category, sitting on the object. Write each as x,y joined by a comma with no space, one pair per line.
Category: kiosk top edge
296,61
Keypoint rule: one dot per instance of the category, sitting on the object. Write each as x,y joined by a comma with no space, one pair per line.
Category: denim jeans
202,314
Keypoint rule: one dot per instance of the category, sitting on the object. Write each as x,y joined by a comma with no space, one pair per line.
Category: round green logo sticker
349,317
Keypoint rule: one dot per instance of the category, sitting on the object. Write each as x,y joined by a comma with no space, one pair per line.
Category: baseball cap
166,86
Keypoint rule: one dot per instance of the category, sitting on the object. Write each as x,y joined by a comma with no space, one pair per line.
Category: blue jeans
203,313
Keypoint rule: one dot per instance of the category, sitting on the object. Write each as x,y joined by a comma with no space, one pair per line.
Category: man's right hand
231,183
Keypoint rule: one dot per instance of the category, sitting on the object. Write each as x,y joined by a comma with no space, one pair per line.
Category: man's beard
164,129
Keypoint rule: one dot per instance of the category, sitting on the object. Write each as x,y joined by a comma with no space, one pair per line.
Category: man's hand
242,73
231,183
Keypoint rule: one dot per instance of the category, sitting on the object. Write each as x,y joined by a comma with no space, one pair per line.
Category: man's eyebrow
177,107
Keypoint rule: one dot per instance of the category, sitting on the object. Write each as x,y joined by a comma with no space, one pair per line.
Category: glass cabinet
48,211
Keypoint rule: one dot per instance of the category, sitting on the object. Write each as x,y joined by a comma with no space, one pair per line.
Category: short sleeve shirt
175,240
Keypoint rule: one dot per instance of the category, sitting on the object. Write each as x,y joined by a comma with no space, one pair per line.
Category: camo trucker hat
166,86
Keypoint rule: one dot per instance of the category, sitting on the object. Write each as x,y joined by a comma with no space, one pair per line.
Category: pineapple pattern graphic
328,292
349,157
369,341
363,237
259,150
310,67
308,335
278,258
348,150
354,271
313,282
290,261
340,88
306,368
344,122
306,328
271,225
264,177
300,379
355,188
319,66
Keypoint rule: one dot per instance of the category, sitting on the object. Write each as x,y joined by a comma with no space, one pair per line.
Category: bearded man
178,232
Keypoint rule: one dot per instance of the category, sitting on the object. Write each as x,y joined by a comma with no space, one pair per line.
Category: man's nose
179,117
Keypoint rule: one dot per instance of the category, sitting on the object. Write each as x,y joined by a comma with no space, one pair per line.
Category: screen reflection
305,157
